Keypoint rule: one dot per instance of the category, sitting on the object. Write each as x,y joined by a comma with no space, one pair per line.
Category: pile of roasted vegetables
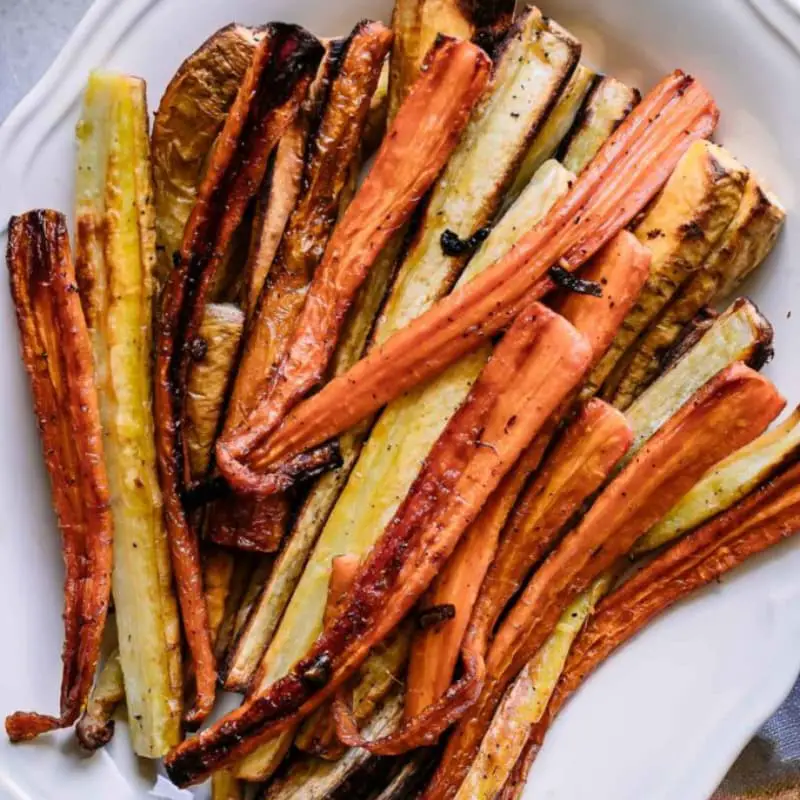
381,364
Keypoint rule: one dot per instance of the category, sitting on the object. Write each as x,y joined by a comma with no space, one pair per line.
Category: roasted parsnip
674,115
556,126
526,701
116,274
316,779
688,219
190,115
56,351
530,71
268,100
214,360
606,108
727,483
742,247
417,24
740,334
96,725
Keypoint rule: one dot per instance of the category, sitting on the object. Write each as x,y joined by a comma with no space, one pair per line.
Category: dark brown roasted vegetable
57,355
354,68
269,97
189,117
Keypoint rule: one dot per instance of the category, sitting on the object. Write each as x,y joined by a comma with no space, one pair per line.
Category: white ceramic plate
667,715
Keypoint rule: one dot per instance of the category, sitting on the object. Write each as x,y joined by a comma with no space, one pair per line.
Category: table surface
31,34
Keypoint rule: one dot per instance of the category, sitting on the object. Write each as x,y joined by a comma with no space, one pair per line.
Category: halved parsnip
526,700
726,484
388,464
116,268
604,111
742,247
209,379
188,120
96,726
531,70
555,128
740,334
417,23
686,221
316,779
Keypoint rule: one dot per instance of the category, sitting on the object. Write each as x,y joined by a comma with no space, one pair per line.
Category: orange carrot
539,361
424,133
730,411
621,269
627,172
758,522
283,64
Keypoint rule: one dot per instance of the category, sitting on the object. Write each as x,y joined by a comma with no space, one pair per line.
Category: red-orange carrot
730,411
435,649
621,269
627,172
539,361
283,64
758,522
422,136
57,354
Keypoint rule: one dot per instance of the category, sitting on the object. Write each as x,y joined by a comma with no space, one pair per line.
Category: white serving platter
668,714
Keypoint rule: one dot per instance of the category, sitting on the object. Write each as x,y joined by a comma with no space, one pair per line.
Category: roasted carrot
422,137
627,172
730,411
351,71
435,648
539,361
758,522
283,64
621,269
585,457
57,355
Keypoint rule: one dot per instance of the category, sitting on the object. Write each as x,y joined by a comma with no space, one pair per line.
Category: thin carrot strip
627,172
268,100
540,360
730,411
760,521
57,354
343,574
424,133
620,269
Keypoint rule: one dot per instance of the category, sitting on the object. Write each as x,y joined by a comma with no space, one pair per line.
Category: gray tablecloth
31,34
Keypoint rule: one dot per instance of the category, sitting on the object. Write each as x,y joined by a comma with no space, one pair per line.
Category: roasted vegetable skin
189,117
115,261
269,97
57,356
